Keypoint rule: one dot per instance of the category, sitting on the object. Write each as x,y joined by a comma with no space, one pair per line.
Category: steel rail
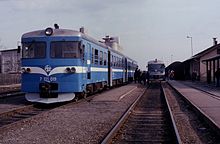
20,109
11,94
120,122
172,117
33,108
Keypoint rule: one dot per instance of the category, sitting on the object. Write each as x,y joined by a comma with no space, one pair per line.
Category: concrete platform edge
200,113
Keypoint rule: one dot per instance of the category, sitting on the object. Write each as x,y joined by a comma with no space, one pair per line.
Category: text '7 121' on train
61,64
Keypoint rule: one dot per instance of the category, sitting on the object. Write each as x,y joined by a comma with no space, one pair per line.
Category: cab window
65,49
34,50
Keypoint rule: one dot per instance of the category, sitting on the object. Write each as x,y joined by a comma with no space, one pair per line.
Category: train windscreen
153,67
34,49
65,49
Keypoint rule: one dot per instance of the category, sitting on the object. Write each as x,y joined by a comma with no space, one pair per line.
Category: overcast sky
148,29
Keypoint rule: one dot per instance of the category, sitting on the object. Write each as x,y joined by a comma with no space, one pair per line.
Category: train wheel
84,95
76,98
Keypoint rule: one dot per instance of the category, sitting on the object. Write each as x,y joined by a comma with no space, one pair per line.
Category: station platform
203,96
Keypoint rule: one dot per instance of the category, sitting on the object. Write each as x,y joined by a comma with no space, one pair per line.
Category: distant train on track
61,64
156,70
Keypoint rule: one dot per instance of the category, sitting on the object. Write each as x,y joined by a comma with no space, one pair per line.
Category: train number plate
48,79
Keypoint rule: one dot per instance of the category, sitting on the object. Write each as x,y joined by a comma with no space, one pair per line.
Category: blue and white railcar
132,65
59,65
121,68
116,71
156,70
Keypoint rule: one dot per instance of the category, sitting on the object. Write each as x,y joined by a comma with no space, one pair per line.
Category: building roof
212,58
204,52
7,50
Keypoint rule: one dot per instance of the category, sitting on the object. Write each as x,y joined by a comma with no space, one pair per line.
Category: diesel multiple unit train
156,70
61,64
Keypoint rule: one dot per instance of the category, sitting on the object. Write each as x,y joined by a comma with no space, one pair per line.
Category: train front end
156,70
52,68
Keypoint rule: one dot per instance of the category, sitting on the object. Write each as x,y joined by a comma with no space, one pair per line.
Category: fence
6,79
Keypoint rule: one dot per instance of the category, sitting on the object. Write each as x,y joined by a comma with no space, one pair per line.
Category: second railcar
156,70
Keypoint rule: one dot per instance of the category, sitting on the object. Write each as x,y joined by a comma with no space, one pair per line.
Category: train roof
128,58
63,32
156,62
69,32
56,32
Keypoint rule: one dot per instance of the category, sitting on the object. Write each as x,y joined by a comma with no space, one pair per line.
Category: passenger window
96,56
101,58
89,51
105,58
93,53
112,61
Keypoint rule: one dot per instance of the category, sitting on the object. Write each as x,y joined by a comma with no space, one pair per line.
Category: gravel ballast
84,122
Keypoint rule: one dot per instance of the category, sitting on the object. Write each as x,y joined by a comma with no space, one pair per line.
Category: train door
88,61
109,70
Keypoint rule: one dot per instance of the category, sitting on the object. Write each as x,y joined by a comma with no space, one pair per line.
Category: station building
204,64
10,61
10,67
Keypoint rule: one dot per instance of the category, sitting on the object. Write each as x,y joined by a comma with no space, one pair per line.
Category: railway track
31,110
22,109
147,121
10,94
21,113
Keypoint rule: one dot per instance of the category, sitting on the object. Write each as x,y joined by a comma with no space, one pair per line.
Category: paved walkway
210,88
207,103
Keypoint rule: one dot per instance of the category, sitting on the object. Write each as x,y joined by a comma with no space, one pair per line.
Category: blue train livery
61,65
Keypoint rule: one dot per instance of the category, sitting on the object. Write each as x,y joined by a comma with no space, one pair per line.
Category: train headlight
48,31
73,69
68,70
23,70
26,70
